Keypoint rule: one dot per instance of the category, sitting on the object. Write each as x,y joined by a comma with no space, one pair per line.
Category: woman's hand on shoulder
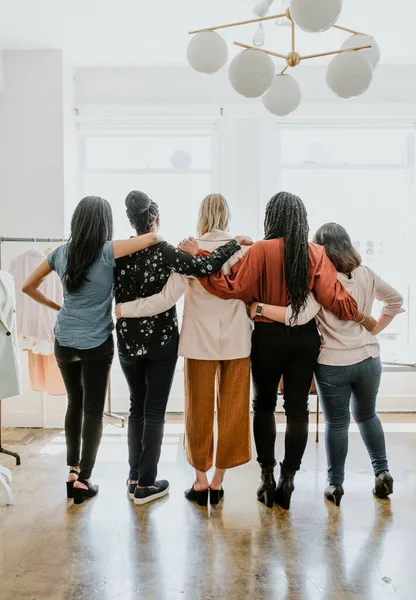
190,246
244,240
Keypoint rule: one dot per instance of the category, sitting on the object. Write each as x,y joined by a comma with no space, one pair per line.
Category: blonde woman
216,341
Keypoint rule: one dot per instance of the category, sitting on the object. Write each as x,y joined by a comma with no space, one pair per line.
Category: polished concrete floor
108,548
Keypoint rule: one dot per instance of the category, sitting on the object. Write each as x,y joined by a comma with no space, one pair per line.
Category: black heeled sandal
201,497
70,484
334,493
215,496
80,493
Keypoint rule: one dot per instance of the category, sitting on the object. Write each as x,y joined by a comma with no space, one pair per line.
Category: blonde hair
214,213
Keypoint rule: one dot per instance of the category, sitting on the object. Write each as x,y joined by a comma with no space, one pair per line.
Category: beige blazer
212,328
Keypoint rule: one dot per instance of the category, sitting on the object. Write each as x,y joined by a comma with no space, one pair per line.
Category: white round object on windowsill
207,52
315,15
358,41
349,74
284,96
251,73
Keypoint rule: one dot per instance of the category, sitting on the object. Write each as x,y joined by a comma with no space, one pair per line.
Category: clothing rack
108,412
12,239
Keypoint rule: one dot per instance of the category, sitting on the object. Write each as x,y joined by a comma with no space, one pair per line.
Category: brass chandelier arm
293,37
260,50
283,71
347,30
237,24
333,52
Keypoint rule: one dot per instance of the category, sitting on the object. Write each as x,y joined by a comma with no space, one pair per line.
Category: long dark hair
141,211
286,217
339,247
91,226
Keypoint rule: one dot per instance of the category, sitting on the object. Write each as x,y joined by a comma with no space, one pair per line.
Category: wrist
259,309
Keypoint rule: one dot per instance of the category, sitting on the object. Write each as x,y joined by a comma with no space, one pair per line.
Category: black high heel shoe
70,484
383,485
201,496
215,496
80,493
334,493
284,490
267,488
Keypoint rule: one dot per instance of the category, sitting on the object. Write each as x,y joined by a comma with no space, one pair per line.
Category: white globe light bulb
251,73
349,74
359,40
315,15
207,52
284,96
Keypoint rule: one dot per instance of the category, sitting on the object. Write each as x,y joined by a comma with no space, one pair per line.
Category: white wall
32,183
31,145
1,72
182,85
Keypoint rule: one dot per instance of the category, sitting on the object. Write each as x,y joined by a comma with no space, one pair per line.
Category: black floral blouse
145,273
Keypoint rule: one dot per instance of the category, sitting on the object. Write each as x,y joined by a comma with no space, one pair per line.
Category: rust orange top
260,276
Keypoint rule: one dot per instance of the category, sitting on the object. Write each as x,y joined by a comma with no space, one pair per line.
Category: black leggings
85,374
292,352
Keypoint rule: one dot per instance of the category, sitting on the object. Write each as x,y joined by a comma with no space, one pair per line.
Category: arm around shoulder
134,244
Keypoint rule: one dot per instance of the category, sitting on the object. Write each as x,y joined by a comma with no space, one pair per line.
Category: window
175,167
363,179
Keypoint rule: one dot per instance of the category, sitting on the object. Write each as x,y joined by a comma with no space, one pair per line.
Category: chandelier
252,72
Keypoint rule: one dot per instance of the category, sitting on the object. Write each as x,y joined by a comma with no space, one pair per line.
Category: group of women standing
290,288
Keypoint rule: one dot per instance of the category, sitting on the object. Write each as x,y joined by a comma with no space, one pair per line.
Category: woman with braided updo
148,346
284,266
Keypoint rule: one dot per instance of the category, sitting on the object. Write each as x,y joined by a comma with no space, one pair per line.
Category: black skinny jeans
85,374
290,352
149,378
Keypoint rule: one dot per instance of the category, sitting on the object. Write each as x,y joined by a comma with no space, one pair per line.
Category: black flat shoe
154,492
334,493
70,484
201,497
215,496
284,490
383,485
131,488
267,488
80,493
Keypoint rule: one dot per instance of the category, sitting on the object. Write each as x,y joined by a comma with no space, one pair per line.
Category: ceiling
154,32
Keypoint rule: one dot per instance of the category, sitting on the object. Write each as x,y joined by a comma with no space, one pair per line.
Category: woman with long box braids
282,269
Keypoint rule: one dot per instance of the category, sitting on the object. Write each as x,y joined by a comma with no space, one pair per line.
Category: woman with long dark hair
84,346
148,347
349,367
284,266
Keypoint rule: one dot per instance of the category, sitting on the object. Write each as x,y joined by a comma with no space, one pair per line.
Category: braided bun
141,211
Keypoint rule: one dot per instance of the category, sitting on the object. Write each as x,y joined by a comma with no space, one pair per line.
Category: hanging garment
45,375
35,323
10,370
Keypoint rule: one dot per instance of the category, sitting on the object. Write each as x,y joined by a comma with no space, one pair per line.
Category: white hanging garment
10,369
35,322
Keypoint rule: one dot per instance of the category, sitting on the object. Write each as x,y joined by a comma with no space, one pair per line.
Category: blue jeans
337,385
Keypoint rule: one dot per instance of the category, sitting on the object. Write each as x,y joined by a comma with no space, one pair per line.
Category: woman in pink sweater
349,366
